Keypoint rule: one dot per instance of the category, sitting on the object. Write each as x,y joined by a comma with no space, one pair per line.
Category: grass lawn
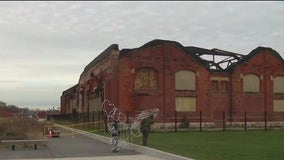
218,145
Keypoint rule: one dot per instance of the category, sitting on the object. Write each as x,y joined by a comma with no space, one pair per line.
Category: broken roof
219,61
252,54
159,42
215,60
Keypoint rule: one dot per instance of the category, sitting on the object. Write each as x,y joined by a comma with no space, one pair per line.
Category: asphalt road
64,147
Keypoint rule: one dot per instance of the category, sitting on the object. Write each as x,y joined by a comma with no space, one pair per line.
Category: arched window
251,83
146,78
185,80
278,84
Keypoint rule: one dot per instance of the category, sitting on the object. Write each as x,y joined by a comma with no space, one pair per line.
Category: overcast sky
44,46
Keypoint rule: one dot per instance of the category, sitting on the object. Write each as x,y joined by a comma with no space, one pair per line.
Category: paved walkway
86,146
65,147
121,157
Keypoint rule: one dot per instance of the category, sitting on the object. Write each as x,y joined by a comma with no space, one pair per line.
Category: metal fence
226,121
199,121
77,117
73,129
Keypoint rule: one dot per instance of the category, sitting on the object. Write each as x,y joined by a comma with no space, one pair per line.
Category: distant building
5,112
42,114
173,77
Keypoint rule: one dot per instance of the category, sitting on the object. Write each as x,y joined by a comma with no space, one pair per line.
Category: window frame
247,87
192,105
277,88
181,84
139,71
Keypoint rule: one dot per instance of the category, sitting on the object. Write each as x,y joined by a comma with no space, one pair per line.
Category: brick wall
216,92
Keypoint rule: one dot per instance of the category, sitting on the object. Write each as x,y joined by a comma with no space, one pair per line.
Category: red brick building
173,77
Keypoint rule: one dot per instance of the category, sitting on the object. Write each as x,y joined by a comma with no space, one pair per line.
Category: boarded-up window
278,105
95,104
185,80
278,84
73,103
214,85
251,83
146,78
185,104
219,83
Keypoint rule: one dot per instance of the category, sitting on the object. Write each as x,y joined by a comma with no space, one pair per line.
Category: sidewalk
122,157
147,152
88,146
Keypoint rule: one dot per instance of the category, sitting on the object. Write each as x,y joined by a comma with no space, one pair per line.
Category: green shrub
184,122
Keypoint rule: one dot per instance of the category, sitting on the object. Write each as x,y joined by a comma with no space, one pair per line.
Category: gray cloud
44,46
